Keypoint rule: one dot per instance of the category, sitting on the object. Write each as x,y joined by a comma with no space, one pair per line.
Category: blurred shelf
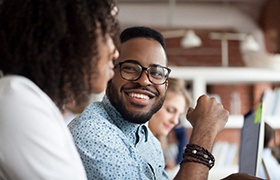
226,74
202,76
234,121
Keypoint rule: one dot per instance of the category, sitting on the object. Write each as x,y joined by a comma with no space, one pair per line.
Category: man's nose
144,79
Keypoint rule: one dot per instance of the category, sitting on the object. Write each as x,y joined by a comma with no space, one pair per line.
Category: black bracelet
195,153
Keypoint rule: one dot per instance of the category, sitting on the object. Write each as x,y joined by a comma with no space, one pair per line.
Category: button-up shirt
114,148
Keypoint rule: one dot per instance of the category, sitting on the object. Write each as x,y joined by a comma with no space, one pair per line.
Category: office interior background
226,48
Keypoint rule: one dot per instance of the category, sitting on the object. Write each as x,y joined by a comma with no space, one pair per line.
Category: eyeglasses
131,70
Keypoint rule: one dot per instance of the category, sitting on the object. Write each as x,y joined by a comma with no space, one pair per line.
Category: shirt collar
136,132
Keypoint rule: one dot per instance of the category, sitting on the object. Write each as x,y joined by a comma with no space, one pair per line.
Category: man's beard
139,118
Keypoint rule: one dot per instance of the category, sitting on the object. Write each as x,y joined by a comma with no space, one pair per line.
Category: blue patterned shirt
113,148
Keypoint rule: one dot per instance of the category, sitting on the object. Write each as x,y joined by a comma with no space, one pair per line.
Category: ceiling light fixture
190,40
248,43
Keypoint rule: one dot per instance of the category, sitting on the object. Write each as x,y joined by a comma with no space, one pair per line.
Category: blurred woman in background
163,123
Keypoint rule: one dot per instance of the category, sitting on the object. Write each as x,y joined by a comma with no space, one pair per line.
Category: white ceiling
234,15
239,15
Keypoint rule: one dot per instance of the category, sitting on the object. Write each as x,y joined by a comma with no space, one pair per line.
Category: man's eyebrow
157,65
132,61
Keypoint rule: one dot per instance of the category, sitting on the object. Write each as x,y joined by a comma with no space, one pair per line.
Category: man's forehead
145,51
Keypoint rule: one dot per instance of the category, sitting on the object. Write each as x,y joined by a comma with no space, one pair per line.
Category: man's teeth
140,96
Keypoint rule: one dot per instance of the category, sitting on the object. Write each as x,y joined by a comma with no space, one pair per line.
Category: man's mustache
138,86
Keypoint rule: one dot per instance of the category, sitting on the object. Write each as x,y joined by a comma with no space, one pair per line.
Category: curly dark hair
53,42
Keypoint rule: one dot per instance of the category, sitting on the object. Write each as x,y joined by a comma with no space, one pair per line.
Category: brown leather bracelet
195,153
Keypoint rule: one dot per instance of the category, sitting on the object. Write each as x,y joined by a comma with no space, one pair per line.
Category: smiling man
112,136
142,82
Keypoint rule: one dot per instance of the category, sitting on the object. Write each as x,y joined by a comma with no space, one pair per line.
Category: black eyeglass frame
143,69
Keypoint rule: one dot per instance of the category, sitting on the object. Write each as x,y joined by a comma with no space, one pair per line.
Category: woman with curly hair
52,52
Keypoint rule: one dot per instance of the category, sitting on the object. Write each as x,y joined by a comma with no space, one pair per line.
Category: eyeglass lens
132,71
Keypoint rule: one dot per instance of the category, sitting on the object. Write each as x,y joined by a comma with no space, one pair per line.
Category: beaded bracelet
195,153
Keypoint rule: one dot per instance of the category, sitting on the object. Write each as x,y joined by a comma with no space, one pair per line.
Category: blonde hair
178,86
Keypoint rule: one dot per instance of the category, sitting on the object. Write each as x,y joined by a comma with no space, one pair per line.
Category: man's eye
156,74
129,69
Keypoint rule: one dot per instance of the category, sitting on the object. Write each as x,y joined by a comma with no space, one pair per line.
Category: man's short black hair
142,31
